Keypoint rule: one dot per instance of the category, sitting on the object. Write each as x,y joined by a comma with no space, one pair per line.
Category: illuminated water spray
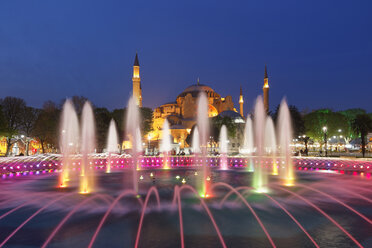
195,141
112,144
203,128
248,145
285,137
223,148
134,134
259,175
69,140
88,141
165,145
270,144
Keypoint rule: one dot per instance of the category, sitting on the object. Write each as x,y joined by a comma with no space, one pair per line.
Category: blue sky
318,53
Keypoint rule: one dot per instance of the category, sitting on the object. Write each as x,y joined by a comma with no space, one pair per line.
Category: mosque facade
181,114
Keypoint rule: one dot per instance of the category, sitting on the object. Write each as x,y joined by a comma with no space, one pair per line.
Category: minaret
266,91
241,102
137,89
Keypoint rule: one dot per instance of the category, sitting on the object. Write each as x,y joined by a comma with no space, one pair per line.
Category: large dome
195,89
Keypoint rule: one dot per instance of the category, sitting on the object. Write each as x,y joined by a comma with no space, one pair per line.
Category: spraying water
112,143
165,145
285,137
260,175
134,135
203,126
69,140
223,148
270,143
248,146
88,141
195,141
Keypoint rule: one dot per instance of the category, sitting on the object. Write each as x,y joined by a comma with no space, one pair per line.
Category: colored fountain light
223,147
203,128
248,144
165,145
260,173
69,140
112,144
133,133
87,147
285,137
270,144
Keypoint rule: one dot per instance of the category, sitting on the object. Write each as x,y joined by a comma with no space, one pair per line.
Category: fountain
69,140
248,145
259,174
165,145
223,148
195,141
270,143
171,209
88,141
112,144
134,134
203,128
285,138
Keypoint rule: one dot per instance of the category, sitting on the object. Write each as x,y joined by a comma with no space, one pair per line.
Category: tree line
21,122
350,123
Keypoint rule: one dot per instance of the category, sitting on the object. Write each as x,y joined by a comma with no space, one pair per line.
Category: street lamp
306,140
325,139
149,139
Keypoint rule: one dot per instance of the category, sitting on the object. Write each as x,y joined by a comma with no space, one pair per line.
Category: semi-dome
233,115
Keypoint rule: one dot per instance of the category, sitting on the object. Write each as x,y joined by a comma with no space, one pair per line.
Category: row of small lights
237,163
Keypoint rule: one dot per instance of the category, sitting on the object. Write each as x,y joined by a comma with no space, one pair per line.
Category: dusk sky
318,53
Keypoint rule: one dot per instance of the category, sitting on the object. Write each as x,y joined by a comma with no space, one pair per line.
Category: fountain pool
167,211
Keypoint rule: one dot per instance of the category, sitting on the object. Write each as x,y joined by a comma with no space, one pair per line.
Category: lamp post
306,140
149,139
325,140
339,140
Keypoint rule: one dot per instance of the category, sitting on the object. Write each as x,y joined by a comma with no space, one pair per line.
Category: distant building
238,139
265,89
181,114
369,141
19,147
136,79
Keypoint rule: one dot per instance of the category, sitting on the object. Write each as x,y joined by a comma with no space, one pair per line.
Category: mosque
181,114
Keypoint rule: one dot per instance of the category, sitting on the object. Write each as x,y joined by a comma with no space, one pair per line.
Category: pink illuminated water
112,144
133,134
203,128
88,143
223,148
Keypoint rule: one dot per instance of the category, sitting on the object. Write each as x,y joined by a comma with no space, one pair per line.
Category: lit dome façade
181,114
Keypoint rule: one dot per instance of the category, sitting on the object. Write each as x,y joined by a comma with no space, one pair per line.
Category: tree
297,121
218,121
103,117
362,124
29,117
146,117
12,108
47,124
79,102
119,115
2,121
316,120
350,115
